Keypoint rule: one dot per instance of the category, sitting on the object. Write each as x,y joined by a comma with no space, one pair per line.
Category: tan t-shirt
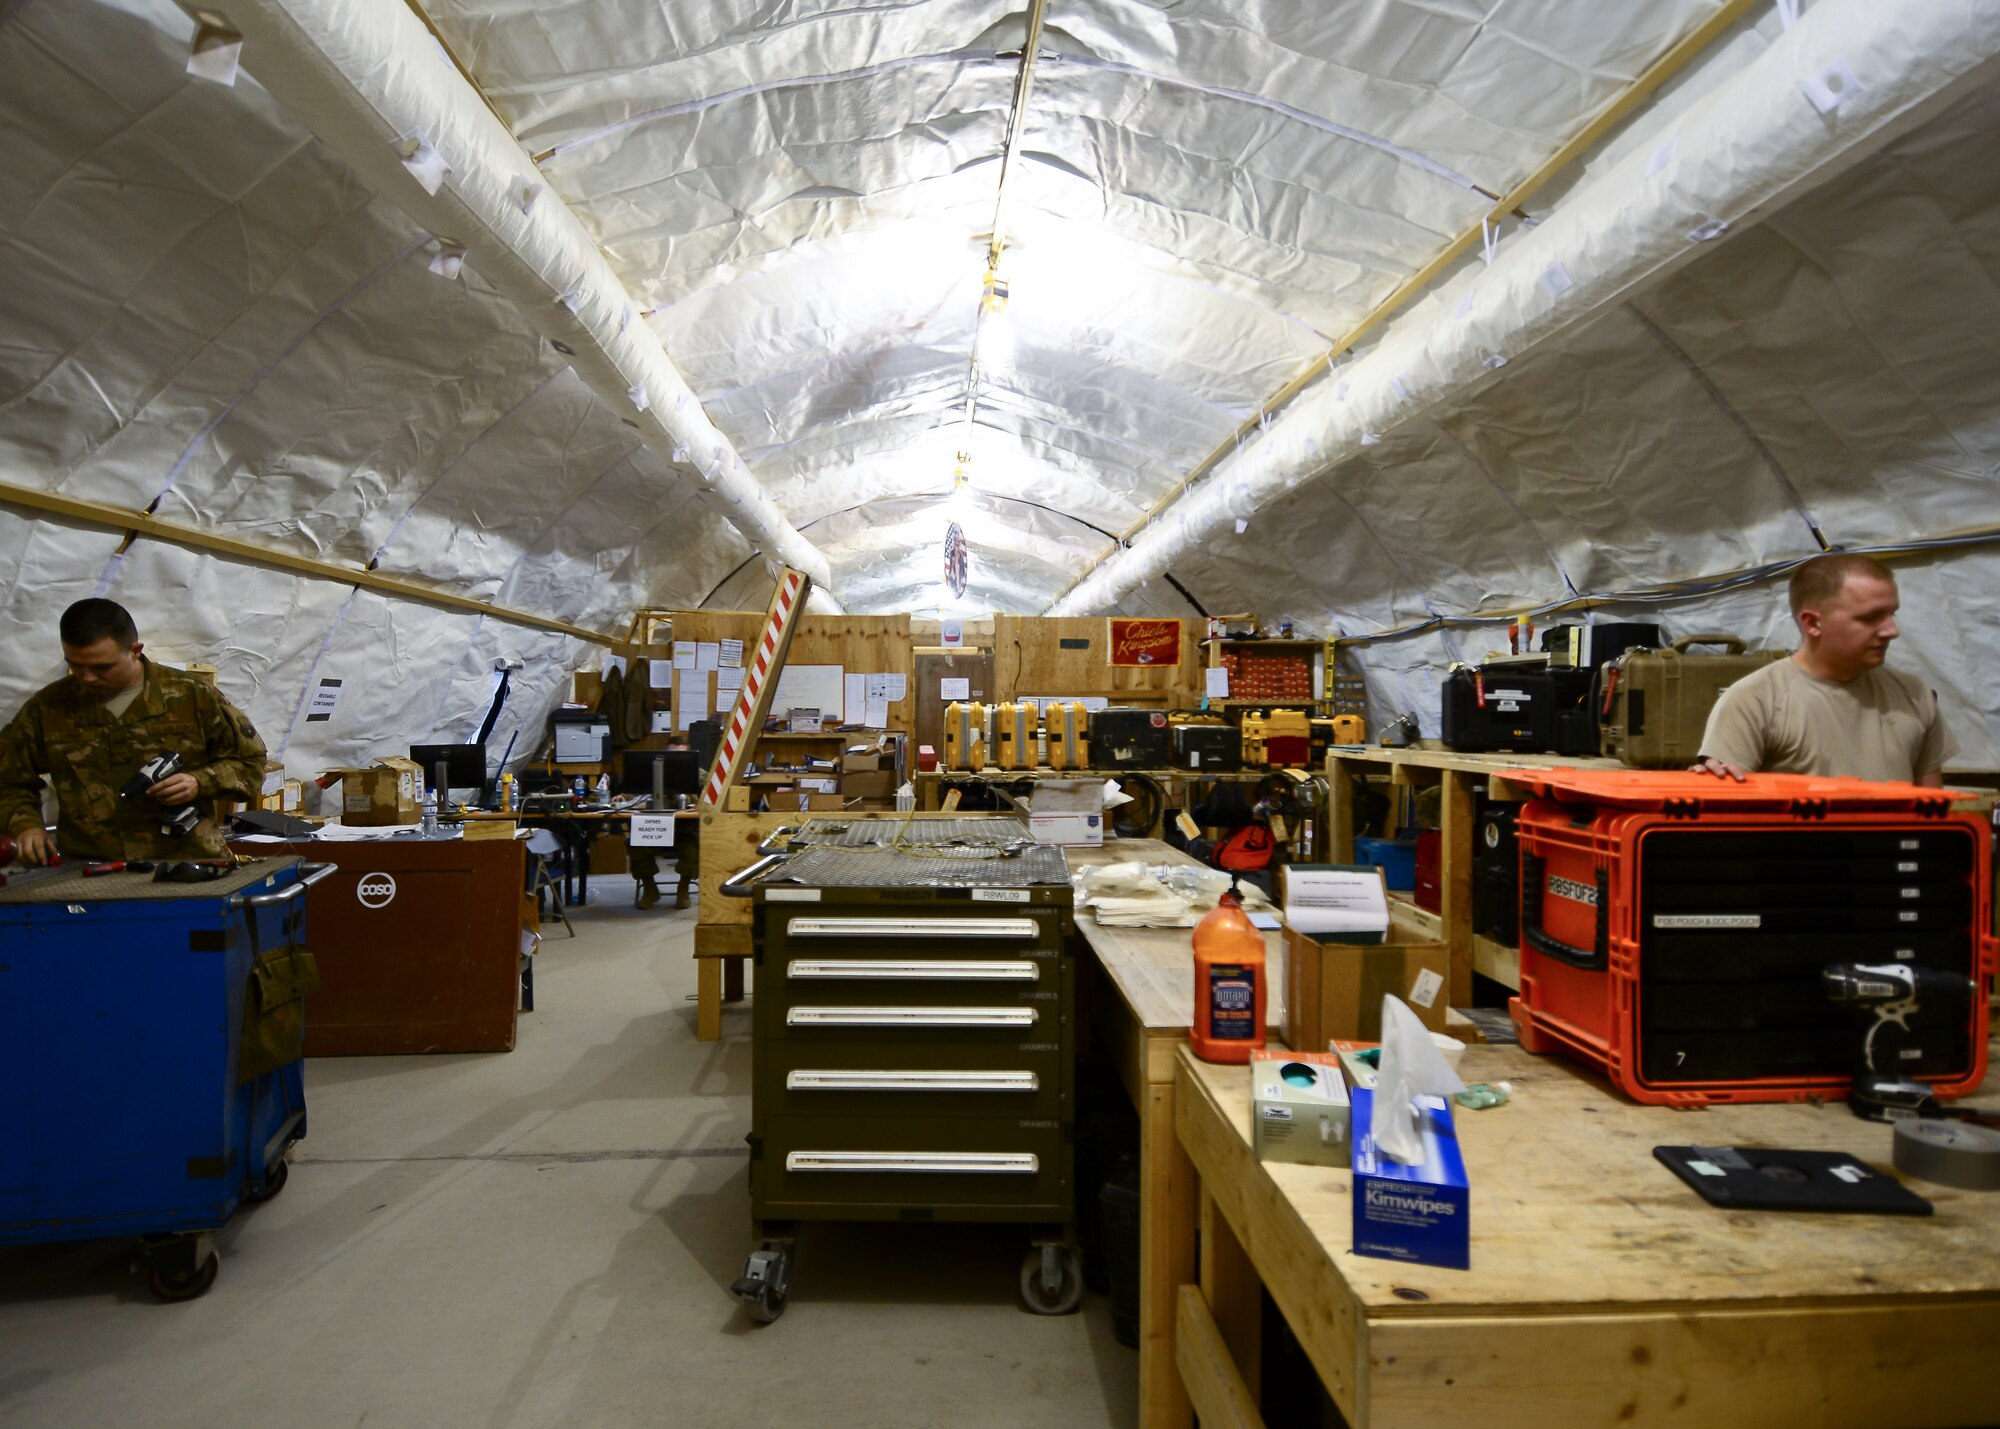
1883,724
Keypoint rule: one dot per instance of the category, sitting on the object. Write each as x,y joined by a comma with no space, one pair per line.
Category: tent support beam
137,524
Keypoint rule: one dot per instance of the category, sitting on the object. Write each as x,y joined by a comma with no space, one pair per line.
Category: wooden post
1455,835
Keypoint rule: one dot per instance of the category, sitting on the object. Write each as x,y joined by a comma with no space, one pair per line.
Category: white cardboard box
1071,830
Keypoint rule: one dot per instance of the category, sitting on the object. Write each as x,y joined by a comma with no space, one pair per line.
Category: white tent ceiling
219,306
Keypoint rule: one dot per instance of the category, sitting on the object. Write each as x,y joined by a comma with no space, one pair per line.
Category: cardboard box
1299,1110
879,785
866,756
271,795
1068,811
485,830
1420,1213
1333,990
388,792
293,799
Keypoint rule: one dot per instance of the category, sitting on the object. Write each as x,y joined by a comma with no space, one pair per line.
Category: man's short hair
89,621
1824,577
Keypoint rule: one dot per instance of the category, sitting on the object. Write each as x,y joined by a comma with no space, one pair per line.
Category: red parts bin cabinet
1674,928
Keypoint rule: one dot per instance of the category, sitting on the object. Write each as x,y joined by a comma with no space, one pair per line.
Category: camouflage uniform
65,732
644,863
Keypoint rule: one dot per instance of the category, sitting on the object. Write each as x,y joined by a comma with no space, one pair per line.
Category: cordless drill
1894,992
179,821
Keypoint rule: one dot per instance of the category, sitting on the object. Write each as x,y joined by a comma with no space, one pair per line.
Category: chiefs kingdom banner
1145,642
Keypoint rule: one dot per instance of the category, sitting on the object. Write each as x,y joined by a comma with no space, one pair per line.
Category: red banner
1145,642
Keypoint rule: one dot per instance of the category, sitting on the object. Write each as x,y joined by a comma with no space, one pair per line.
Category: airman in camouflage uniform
68,731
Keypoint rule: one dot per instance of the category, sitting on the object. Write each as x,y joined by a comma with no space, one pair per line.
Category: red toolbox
1674,929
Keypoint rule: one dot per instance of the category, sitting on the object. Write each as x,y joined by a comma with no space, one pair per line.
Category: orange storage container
1674,928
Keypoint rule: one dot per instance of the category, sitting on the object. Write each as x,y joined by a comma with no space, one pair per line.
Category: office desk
1602,1289
1143,1027
419,944
586,826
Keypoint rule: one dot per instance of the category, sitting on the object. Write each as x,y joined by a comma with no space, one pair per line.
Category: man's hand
175,789
34,846
1720,768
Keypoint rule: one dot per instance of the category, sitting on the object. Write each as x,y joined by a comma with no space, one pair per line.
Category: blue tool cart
151,1036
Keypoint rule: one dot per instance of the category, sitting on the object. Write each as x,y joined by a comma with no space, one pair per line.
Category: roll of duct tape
1950,1153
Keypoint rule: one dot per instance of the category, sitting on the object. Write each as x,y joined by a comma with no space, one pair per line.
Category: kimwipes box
390,792
1344,949
1419,1213
1298,1108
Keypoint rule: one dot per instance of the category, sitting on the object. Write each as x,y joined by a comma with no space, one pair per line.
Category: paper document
1217,683
731,655
1333,899
691,702
684,654
955,689
659,674
887,688
663,722
707,655
652,831
854,695
876,714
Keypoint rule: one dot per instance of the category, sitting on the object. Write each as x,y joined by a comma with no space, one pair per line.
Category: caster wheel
765,1284
274,1182
179,1282
1051,1280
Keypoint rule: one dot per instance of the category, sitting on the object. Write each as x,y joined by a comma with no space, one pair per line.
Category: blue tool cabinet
124,1110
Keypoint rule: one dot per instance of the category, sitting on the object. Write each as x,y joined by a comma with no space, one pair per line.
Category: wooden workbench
1602,1290
1459,776
1143,1027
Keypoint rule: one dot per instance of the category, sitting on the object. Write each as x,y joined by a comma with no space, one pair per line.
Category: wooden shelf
826,734
1259,704
1497,960
1295,643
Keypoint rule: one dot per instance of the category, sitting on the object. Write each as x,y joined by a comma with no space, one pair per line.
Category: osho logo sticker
375,890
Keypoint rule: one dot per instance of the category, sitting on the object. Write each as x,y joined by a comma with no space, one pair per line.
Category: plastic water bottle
430,813
604,788
1229,984
576,787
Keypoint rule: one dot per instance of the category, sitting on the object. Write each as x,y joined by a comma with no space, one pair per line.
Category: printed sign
375,890
1145,642
325,697
652,831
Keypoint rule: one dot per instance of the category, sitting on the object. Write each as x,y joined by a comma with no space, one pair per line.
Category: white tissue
1411,1067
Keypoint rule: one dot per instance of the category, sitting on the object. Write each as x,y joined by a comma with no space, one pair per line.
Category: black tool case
1208,746
1519,709
1123,738
913,1039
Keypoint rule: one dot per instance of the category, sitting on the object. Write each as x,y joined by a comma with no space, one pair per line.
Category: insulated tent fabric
209,313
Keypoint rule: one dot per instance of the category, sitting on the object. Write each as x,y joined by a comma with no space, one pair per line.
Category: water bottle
430,813
576,787
604,788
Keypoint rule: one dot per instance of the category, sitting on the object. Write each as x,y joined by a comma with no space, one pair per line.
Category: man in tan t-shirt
1834,707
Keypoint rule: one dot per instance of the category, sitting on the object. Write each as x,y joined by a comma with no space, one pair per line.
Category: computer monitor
464,766
681,771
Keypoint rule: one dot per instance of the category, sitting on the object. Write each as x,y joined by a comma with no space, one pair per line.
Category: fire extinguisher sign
1145,642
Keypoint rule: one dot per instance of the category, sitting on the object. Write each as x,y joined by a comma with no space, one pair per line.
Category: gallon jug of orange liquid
1229,984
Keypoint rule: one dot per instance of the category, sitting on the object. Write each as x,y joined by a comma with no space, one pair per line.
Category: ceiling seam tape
1949,1153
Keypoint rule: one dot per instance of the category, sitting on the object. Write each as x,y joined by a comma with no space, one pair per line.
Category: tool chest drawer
882,930
876,1167
1035,979
912,1076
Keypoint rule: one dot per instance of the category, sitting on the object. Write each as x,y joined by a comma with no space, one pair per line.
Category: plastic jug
1229,984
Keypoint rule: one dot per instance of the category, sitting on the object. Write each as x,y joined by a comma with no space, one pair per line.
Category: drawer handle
929,969
975,1163
911,1017
912,927
856,1081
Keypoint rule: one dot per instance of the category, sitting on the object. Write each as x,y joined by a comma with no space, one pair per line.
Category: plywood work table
1602,1289
1143,1027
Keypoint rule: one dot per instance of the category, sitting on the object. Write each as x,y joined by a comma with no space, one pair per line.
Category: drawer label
999,895
791,895
1708,920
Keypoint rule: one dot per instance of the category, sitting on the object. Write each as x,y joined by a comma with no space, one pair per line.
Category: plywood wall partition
1069,655
864,644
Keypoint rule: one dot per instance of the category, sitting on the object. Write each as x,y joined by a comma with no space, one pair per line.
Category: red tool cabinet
1674,927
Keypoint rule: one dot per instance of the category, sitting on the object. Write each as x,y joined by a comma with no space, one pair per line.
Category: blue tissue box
1421,1214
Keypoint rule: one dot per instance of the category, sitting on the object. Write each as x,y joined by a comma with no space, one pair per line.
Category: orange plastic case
1673,927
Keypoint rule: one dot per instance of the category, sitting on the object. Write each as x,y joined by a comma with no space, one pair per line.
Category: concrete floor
546,1237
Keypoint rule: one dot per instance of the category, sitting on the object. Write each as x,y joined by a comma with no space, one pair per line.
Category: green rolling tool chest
913,1039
